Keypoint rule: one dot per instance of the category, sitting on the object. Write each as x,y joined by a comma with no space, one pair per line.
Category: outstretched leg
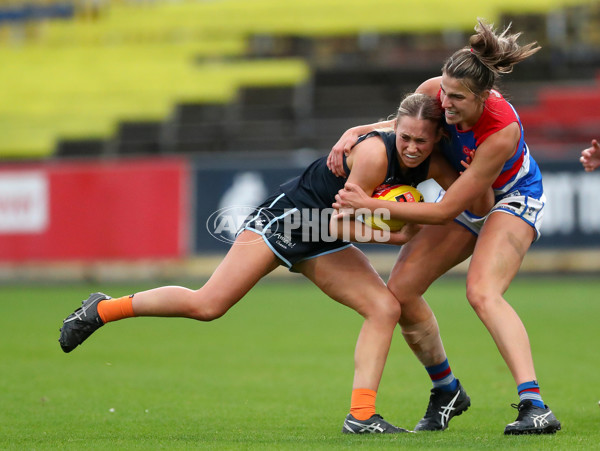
248,260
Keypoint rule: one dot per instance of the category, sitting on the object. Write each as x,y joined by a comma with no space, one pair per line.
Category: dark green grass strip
276,373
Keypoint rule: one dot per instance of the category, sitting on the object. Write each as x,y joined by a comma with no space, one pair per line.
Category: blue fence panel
225,185
572,216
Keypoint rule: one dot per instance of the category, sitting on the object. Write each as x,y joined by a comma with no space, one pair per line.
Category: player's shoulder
375,139
498,109
431,87
371,148
497,115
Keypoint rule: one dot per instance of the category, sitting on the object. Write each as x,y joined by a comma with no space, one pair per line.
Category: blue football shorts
293,234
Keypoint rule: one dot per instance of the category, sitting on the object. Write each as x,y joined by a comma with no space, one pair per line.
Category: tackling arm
368,164
346,142
445,175
461,195
430,87
349,137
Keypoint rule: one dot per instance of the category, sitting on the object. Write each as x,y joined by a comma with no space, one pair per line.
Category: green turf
276,373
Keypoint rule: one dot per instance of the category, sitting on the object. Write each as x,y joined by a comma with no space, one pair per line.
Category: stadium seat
171,70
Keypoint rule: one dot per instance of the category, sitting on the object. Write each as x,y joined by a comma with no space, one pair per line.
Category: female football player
590,157
267,240
485,137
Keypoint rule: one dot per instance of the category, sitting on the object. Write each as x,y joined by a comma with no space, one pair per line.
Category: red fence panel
116,209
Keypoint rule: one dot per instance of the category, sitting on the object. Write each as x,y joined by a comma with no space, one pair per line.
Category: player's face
461,106
415,140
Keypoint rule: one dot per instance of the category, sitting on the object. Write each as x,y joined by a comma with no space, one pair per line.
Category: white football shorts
529,209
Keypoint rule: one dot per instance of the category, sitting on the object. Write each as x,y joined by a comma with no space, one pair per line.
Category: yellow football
394,193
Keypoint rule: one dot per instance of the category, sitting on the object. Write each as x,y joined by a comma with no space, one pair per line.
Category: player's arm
349,137
473,183
445,175
346,142
347,228
430,87
368,163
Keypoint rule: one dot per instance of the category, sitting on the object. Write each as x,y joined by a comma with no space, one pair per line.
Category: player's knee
385,308
403,290
209,314
479,298
203,309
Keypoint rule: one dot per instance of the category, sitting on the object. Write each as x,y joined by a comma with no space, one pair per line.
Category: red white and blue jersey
520,174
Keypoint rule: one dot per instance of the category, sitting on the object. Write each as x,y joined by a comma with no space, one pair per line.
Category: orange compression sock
114,309
362,405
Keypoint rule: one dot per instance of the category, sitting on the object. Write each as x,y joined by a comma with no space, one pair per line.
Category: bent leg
248,260
500,249
429,255
348,278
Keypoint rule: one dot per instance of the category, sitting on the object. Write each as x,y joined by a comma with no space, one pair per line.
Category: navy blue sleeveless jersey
305,202
317,186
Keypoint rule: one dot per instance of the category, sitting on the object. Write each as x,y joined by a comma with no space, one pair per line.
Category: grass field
276,373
